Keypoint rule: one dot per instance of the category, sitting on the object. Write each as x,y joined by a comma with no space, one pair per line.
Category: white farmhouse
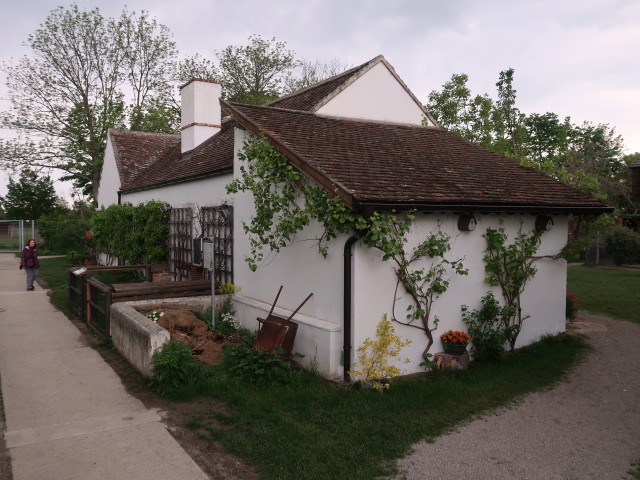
364,136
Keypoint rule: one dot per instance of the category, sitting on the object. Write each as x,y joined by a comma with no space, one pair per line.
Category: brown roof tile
148,160
213,156
391,165
136,151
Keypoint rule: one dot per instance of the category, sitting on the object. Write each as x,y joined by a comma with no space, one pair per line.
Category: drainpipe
347,301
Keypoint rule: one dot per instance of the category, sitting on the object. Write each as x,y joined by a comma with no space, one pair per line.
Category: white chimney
201,115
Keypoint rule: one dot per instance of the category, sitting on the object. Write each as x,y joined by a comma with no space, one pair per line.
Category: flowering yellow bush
455,337
227,289
374,356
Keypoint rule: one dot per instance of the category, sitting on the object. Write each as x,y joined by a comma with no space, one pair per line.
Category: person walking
29,261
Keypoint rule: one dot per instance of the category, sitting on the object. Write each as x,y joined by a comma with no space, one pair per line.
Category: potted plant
455,342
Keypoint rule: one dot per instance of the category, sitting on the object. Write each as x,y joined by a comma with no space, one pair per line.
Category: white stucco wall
204,192
543,299
376,95
109,179
302,270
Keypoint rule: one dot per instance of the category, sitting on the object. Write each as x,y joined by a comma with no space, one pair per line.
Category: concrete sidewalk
68,415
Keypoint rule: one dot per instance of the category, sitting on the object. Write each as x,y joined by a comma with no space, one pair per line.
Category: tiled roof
214,155
381,165
149,160
136,151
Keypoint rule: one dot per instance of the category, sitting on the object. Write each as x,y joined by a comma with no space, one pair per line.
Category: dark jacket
29,257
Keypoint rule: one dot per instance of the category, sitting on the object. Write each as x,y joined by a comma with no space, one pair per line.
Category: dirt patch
184,326
5,460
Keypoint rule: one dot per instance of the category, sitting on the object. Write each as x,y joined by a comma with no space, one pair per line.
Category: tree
30,197
507,117
255,73
309,73
84,74
63,229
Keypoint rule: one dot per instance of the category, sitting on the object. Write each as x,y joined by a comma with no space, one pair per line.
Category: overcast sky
577,58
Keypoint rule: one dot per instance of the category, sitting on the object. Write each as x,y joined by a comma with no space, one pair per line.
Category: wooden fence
92,298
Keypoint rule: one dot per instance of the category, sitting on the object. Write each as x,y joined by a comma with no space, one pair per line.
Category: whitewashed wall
302,270
205,192
543,299
376,95
109,179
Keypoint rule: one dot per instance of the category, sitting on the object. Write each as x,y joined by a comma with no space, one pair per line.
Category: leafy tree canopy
257,72
85,74
30,197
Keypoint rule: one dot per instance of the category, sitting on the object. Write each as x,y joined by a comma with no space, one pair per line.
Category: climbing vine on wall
510,266
286,202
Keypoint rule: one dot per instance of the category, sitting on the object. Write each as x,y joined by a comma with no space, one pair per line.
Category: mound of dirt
185,327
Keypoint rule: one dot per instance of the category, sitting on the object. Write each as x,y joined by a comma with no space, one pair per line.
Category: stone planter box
137,338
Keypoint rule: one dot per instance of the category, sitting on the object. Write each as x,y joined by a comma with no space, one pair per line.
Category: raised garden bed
137,337
185,326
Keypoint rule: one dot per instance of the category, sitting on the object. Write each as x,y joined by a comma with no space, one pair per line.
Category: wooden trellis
217,223
181,243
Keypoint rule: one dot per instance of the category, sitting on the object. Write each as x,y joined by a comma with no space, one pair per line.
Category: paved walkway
585,428
68,416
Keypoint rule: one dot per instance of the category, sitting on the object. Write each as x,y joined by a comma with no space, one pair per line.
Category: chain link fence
14,234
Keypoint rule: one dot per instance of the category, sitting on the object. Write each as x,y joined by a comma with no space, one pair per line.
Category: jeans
32,273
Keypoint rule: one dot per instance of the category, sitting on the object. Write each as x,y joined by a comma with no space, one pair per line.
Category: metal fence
14,234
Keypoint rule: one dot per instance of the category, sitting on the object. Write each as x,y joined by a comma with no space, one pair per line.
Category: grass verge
606,291
54,272
312,429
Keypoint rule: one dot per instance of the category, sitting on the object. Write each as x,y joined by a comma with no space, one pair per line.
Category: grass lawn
314,429
611,292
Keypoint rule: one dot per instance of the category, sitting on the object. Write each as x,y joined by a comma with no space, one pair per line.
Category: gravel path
586,428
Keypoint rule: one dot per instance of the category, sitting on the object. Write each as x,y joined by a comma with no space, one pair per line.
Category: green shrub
623,245
176,374
136,234
226,323
489,328
256,365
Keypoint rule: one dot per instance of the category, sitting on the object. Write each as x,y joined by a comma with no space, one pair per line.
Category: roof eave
216,173
371,206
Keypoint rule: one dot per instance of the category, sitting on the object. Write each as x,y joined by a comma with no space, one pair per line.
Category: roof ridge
337,117
139,132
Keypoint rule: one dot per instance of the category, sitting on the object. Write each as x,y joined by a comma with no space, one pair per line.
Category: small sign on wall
207,254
